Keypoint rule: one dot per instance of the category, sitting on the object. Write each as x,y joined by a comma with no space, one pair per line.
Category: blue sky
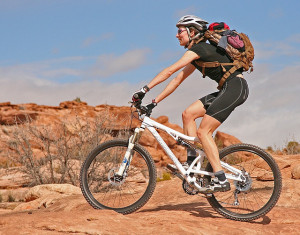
102,51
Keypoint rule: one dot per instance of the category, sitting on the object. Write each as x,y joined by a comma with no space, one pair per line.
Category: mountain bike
120,174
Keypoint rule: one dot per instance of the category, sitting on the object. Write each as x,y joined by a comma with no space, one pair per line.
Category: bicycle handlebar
141,109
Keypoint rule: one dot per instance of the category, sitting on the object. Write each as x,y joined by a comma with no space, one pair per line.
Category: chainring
188,189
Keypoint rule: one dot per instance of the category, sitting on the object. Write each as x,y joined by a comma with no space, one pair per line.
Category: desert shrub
270,149
63,146
233,159
77,99
11,198
165,176
219,143
292,147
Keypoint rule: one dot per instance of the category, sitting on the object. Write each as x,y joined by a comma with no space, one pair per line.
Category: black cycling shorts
219,105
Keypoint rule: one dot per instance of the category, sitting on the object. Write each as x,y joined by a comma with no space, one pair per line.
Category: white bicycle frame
150,124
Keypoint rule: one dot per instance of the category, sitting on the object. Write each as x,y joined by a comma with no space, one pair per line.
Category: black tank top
210,53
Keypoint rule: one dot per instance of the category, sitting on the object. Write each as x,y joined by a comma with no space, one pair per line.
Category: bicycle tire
265,188
131,193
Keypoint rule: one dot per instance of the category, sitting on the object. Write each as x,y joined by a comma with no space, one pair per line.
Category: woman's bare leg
189,116
207,127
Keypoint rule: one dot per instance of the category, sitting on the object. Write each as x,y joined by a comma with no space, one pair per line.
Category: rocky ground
61,209
169,211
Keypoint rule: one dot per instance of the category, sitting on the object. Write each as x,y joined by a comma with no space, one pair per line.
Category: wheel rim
105,190
260,192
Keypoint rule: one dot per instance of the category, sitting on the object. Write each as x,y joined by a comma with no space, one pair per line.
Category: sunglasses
180,31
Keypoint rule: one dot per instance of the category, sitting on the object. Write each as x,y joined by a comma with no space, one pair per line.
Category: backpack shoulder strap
228,73
212,65
235,66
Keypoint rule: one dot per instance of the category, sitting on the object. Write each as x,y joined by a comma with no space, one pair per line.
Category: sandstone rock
71,104
12,178
162,119
42,196
48,189
224,140
296,172
168,206
147,139
13,117
5,104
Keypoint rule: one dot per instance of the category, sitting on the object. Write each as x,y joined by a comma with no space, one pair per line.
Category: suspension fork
128,155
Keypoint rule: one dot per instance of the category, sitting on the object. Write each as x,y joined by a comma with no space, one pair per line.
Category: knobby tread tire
277,184
104,146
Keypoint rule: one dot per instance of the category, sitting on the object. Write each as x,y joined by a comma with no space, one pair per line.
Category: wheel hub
243,186
115,179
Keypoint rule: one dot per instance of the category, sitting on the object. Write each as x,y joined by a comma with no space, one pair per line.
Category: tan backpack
238,48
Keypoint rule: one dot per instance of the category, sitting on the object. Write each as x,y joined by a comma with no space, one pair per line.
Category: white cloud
187,11
92,40
38,81
108,65
294,38
277,13
42,91
77,67
284,47
61,72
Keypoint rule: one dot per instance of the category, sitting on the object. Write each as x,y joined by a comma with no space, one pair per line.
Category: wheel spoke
104,189
259,194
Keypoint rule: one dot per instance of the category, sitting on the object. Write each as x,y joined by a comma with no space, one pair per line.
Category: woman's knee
193,112
203,133
207,127
187,116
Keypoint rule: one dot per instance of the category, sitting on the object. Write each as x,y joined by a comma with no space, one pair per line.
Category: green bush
165,176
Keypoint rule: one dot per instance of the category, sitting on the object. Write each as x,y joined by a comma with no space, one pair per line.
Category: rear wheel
259,194
103,189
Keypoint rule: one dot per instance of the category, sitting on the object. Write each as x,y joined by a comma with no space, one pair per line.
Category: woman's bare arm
175,82
186,59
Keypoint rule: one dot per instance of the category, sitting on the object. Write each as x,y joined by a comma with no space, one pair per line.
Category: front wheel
104,189
258,195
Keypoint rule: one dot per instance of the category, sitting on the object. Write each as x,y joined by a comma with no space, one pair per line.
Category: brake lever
142,109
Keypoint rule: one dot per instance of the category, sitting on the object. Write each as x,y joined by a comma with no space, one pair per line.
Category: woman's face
182,36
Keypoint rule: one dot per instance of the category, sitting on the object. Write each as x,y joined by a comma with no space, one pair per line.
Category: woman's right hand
139,95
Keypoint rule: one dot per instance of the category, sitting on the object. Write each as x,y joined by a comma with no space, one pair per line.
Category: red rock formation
225,140
117,119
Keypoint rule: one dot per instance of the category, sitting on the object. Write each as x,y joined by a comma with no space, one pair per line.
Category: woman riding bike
213,108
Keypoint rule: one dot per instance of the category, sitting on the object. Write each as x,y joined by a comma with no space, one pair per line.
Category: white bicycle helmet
191,20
